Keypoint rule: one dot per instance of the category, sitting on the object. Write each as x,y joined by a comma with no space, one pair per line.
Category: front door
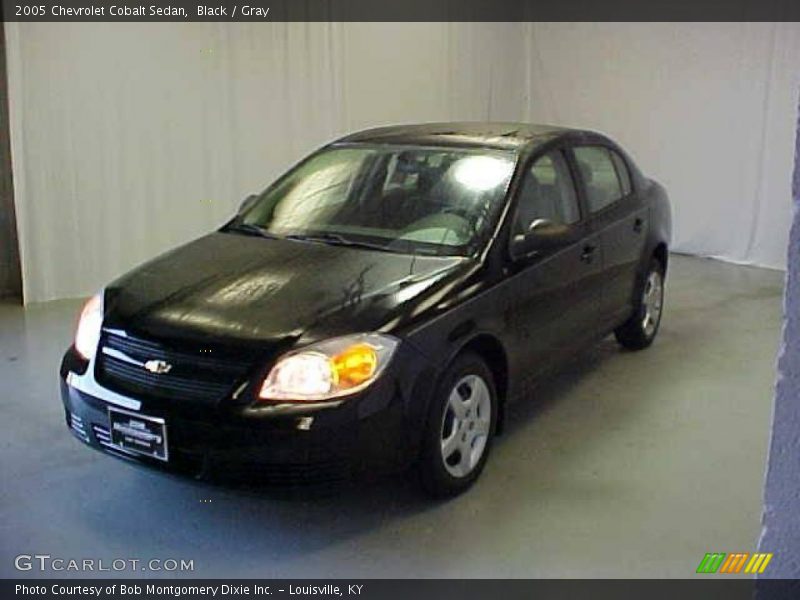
553,302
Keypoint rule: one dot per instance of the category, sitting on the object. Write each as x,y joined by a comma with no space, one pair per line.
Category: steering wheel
433,227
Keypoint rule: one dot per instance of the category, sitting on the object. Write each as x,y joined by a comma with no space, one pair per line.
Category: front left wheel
460,426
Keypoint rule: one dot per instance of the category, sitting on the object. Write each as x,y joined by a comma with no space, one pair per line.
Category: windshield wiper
334,239
250,229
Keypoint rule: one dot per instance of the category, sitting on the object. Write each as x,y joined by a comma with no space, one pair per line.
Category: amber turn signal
355,365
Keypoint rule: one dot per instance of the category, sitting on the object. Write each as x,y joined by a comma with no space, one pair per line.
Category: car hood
229,287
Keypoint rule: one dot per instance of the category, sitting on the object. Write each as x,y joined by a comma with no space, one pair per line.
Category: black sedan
377,307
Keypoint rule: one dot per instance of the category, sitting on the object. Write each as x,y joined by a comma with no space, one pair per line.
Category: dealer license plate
138,433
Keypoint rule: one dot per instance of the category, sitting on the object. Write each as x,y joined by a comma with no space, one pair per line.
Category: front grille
195,374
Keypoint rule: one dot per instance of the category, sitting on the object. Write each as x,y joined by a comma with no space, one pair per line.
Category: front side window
599,175
397,198
547,192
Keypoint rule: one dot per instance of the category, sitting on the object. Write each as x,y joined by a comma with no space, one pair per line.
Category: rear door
617,215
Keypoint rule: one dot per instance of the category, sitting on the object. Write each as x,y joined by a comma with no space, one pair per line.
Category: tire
641,329
462,416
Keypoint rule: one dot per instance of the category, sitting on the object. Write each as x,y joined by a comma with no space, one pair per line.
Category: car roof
498,135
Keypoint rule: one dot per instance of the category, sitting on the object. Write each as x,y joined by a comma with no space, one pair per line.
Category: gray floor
624,465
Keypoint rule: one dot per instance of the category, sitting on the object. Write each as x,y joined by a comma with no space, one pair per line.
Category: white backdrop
128,139
708,109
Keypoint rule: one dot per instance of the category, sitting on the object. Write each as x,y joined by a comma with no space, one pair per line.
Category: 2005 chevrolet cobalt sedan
378,306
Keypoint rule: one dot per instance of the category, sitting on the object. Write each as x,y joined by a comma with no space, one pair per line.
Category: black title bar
401,10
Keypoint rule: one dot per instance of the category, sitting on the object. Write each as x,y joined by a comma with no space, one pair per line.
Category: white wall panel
708,109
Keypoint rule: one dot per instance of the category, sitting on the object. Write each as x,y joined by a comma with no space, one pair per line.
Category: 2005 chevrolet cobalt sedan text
378,306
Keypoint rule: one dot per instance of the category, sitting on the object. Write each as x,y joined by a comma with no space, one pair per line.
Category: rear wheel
460,426
640,330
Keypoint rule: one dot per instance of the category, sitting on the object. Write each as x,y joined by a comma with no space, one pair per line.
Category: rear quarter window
622,172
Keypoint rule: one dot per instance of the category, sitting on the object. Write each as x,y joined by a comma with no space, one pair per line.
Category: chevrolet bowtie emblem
158,367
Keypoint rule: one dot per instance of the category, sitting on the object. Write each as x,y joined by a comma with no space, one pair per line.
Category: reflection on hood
244,288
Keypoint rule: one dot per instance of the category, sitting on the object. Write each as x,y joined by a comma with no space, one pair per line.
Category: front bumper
373,432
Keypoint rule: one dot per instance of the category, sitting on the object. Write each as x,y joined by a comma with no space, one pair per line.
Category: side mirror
542,234
247,203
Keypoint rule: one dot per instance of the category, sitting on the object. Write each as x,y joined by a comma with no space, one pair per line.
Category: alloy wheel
465,425
652,303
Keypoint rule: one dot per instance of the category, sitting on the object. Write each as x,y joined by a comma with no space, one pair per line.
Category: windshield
395,198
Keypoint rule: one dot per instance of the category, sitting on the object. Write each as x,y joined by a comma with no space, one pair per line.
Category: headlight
88,334
329,369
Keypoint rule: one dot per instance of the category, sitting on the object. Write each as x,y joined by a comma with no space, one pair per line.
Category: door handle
587,255
638,224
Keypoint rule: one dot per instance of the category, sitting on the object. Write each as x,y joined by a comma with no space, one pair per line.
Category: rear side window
599,174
